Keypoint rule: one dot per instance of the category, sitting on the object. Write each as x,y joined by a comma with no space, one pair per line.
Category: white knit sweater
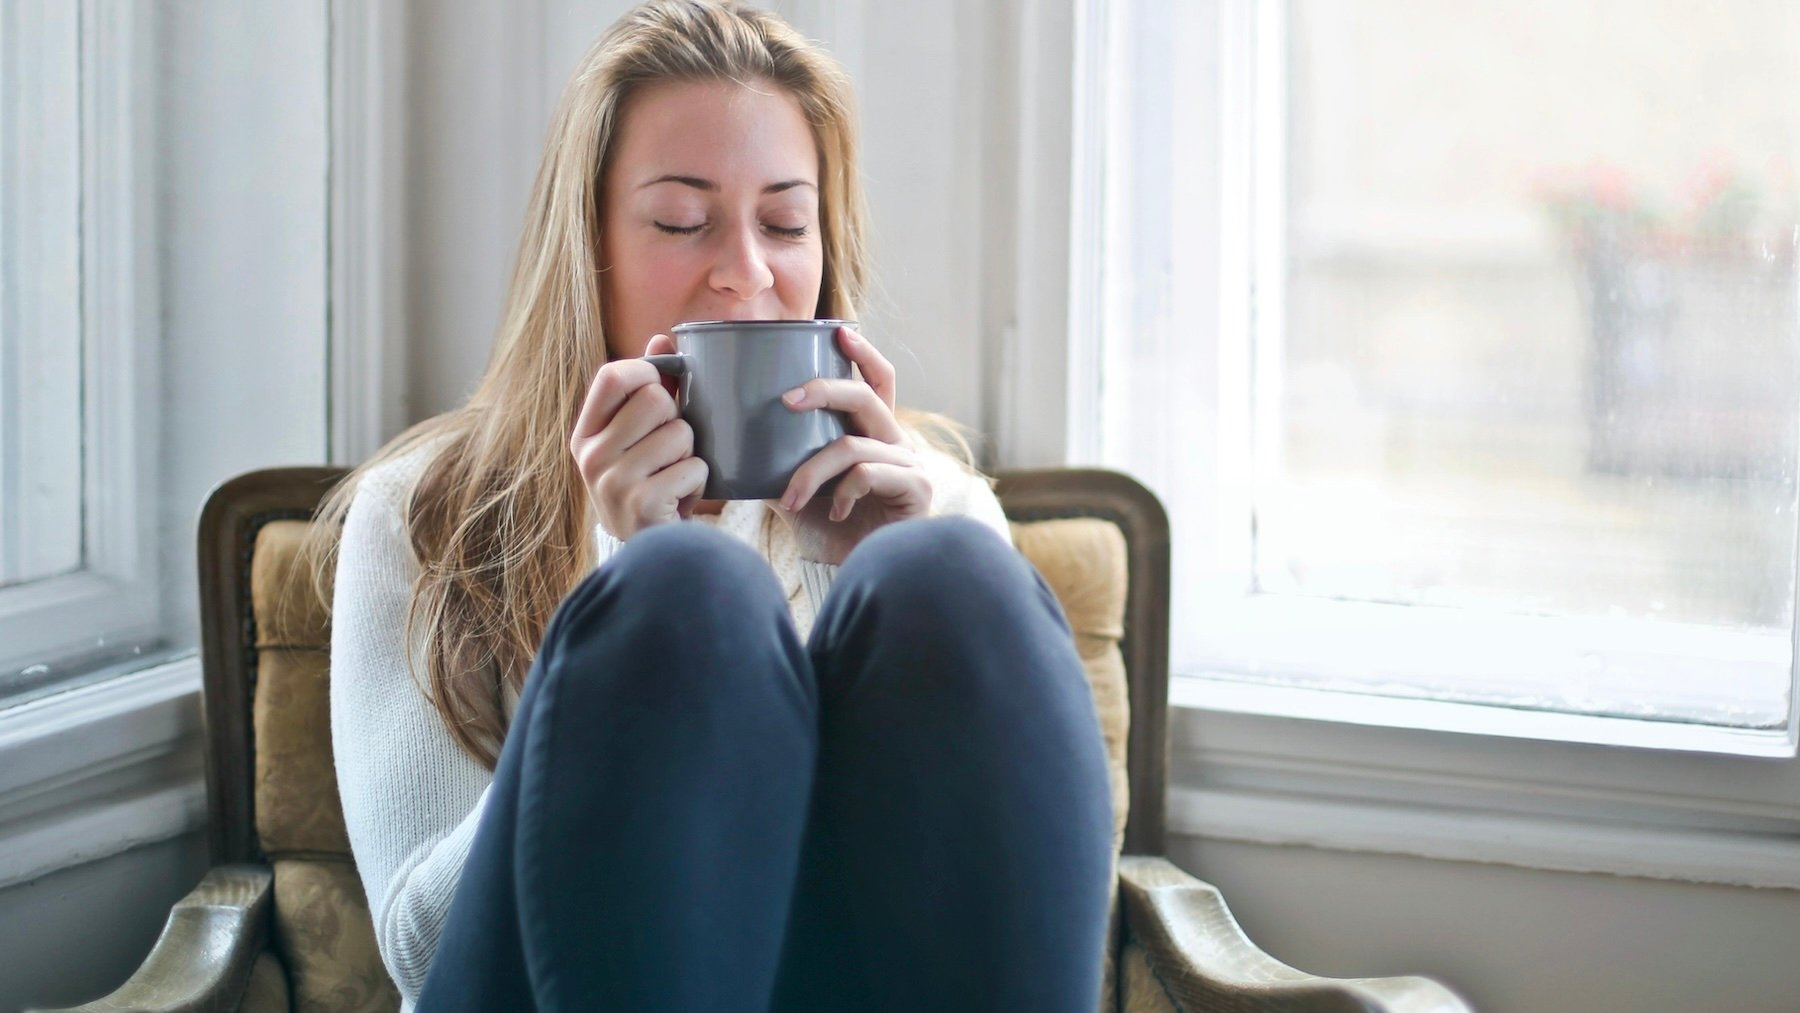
412,798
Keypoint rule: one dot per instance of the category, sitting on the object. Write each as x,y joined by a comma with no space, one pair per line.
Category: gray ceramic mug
731,375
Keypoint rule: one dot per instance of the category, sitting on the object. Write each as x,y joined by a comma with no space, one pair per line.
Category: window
202,324
76,576
40,295
196,314
1463,344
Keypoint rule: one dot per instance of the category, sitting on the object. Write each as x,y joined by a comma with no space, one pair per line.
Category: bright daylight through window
1521,346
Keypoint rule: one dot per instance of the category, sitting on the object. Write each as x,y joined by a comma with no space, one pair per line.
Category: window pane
1540,350
40,291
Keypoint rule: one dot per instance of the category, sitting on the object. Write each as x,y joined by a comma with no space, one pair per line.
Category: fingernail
787,501
795,396
837,512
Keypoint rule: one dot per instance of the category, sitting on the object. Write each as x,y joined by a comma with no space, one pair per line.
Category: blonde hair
500,520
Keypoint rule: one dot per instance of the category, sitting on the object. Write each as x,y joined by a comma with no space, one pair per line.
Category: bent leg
960,845
643,832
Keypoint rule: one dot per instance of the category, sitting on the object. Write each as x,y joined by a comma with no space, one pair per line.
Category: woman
662,797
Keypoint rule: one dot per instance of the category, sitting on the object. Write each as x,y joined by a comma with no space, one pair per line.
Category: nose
740,267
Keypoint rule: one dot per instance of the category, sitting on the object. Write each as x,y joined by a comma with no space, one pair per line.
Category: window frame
106,610
1307,767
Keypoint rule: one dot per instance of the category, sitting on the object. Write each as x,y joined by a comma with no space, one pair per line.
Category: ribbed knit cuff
815,581
605,545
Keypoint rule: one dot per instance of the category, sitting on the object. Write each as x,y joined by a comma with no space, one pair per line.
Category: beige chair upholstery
285,882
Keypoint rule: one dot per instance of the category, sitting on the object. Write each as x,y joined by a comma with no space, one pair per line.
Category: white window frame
108,607
98,758
1304,767
94,765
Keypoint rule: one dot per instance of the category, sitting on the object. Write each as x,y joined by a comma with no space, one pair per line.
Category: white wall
1513,940
241,224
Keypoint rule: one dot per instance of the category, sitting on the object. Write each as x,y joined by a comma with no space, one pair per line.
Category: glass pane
1541,346
40,292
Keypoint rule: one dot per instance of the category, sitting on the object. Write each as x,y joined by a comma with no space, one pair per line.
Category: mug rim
754,326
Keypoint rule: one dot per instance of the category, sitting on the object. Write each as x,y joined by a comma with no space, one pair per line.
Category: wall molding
367,343
1030,387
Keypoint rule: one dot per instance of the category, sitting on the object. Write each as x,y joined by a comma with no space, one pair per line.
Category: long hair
499,519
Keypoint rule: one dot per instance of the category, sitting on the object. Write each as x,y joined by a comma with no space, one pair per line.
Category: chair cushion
288,612
325,937
267,991
297,807
1083,561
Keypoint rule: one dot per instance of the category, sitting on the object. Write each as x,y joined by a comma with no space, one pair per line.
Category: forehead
736,135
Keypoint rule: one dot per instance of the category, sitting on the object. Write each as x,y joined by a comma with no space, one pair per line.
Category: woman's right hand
635,454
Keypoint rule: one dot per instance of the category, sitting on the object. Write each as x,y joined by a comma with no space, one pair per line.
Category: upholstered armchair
280,923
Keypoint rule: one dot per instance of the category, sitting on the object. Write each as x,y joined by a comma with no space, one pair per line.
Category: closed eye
688,230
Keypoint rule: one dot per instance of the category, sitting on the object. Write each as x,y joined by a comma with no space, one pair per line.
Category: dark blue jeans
693,812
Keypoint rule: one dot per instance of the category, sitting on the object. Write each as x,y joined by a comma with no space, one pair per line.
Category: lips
773,313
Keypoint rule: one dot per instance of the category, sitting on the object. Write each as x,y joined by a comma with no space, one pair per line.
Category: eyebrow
712,187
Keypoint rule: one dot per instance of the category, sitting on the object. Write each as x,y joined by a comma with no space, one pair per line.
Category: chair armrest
1205,961
201,962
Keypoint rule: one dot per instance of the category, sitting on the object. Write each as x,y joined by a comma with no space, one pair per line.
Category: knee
681,617
681,575
684,558
957,568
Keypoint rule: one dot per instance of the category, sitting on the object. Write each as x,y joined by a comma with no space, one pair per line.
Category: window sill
1245,697
1323,776
100,769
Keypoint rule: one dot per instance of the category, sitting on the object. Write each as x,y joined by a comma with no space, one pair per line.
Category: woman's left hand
882,479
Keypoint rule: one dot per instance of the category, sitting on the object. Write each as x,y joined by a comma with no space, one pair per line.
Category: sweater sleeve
412,798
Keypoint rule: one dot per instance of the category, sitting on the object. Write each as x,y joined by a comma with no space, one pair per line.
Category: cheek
798,275
649,281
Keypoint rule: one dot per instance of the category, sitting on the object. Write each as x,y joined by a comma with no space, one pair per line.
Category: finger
660,497
612,385
839,456
666,445
887,482
875,369
648,408
679,483
865,412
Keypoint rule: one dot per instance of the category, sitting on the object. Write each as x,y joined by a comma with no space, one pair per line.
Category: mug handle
671,364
